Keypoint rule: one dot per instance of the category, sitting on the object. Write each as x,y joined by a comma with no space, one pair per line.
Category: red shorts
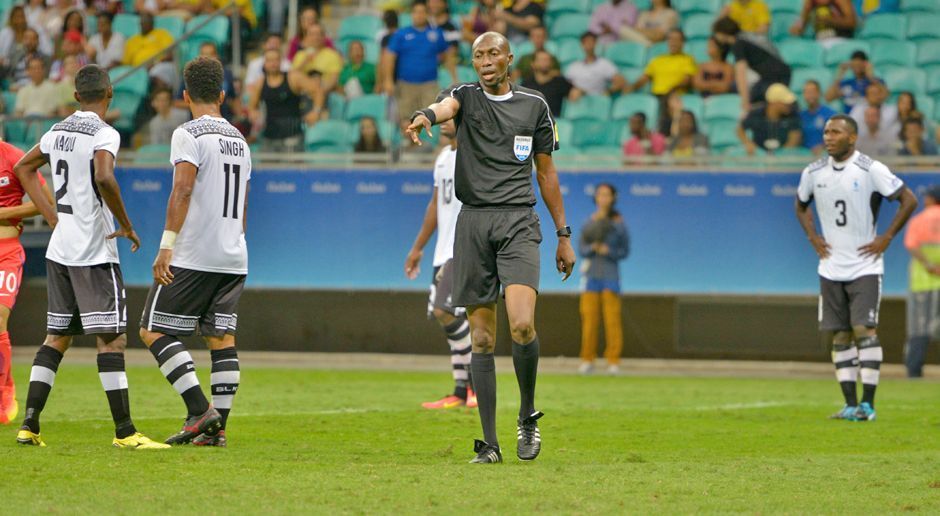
12,257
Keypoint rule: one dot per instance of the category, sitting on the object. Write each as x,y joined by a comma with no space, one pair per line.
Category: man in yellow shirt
672,71
148,43
322,64
751,15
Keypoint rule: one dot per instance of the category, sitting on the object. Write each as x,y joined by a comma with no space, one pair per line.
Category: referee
502,129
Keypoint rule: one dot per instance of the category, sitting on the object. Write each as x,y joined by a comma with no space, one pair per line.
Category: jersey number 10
231,170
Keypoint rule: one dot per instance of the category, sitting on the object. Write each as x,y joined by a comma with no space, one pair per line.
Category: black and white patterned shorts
85,299
207,301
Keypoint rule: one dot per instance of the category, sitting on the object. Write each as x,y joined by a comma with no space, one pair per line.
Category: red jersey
11,191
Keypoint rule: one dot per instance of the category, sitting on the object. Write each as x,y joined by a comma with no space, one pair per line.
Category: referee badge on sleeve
523,147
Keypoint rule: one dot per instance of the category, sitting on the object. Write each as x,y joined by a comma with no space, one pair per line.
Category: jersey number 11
231,170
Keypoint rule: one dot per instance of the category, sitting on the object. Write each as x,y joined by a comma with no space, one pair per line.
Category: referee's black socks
525,359
177,366
483,367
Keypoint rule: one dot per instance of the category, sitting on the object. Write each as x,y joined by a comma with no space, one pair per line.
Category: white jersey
80,238
848,196
448,206
212,238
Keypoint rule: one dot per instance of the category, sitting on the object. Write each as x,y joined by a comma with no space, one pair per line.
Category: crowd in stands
681,78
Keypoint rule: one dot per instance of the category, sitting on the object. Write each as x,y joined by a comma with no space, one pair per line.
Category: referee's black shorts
494,247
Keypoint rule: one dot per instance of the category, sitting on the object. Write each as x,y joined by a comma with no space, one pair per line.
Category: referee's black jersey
499,137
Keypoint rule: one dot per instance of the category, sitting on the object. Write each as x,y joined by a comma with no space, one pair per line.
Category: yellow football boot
25,437
138,441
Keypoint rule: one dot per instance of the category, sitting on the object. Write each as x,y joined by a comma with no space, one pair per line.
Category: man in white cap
773,125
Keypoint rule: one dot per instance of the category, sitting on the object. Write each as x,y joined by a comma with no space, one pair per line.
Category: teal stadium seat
698,26
137,83
800,75
569,51
905,79
793,152
801,53
926,105
698,49
780,24
841,52
936,111
889,52
626,53
655,50
589,107
128,103
359,27
127,24
723,107
626,105
928,52
570,25
336,104
594,133
783,6
9,100
631,74
920,6
153,153
933,80
687,7
565,130
216,30
327,133
374,106
884,26
464,74
923,26
695,104
172,24
555,8
722,134
91,25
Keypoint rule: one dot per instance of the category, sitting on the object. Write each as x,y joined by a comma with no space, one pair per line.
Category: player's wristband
427,112
564,232
169,240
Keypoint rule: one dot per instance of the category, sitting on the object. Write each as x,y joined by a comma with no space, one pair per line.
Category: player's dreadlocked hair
203,77
92,83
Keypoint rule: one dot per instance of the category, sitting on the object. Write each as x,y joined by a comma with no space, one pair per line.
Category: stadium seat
933,80
172,24
800,75
336,104
366,105
696,105
801,53
91,24
901,79
9,101
885,26
698,49
556,8
216,30
127,24
783,6
780,24
888,52
793,151
926,105
153,153
722,134
127,103
326,133
928,52
569,51
698,25
593,133
631,74
570,25
723,107
590,107
841,52
626,105
736,150
359,27
656,50
688,7
626,53
927,6
137,83
923,26
464,74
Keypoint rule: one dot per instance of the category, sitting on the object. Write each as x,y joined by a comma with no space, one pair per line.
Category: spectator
913,141
358,76
146,45
54,17
548,80
922,240
35,11
594,75
653,25
643,142
814,117
390,19
669,72
439,18
751,15
851,91
522,67
282,96
689,141
874,138
106,47
66,85
669,114
167,118
877,95
907,106
184,9
28,50
833,20
610,17
755,54
715,76
245,10
774,125
603,244
481,19
40,97
322,65
11,39
232,106
255,68
516,21
411,63
74,20
308,18
369,139
73,44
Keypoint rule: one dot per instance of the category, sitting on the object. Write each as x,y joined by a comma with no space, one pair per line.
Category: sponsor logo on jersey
522,146
4,181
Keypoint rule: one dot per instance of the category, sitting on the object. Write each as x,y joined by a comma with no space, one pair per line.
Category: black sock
870,356
225,378
114,381
868,393
484,381
525,359
41,379
849,390
177,366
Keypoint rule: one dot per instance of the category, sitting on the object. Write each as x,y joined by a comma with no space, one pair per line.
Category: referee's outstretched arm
436,113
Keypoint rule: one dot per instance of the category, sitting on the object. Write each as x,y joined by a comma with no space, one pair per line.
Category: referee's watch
564,232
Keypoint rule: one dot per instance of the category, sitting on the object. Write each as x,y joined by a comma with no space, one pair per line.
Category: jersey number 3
843,219
231,170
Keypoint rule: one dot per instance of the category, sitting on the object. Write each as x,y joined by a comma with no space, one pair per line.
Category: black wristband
427,112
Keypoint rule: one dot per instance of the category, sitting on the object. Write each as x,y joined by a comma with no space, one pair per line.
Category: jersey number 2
231,170
62,169
843,219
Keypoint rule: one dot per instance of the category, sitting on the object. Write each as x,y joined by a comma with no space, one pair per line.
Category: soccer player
441,214
12,211
502,129
847,188
84,281
200,270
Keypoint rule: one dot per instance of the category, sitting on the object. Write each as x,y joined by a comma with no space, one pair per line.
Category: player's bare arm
111,194
184,180
881,242
428,226
547,176
26,171
27,209
441,112
805,216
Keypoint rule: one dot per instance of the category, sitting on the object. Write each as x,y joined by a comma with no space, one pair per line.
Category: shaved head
492,38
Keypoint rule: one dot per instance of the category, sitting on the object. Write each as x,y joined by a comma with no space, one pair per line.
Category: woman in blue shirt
604,242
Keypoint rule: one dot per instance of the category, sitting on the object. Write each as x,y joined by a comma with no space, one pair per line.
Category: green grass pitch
358,442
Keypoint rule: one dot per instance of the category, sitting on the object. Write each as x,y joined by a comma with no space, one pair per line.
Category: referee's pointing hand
564,257
414,130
